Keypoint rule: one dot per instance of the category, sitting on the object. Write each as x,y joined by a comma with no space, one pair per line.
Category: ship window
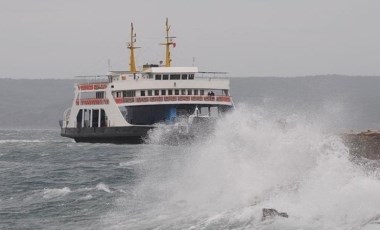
189,92
170,92
191,77
149,92
157,92
158,76
184,76
163,92
100,95
195,92
165,77
129,93
202,92
142,93
183,91
174,77
225,92
176,92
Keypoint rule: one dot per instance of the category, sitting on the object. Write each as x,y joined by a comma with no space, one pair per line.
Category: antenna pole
169,42
132,47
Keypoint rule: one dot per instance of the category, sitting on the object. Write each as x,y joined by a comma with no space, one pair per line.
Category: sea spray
250,162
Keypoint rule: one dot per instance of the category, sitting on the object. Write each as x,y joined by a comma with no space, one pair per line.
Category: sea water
252,160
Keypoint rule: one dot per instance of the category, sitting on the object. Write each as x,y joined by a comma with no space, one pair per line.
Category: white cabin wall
115,118
74,111
171,84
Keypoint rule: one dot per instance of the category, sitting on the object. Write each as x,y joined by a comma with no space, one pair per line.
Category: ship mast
168,43
132,47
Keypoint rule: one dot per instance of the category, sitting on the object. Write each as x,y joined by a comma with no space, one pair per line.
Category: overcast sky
65,38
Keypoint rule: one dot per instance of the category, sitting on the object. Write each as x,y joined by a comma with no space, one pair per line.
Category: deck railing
93,86
120,100
92,101
172,98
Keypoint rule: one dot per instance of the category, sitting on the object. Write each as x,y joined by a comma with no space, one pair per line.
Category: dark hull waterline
116,135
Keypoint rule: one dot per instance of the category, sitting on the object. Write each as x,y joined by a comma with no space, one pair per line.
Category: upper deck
158,78
166,85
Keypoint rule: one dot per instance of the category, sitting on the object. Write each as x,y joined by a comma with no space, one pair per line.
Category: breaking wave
103,187
250,162
20,141
55,192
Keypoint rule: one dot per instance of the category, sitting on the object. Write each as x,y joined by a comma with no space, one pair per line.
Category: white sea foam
249,163
130,163
87,197
20,141
86,189
50,193
103,187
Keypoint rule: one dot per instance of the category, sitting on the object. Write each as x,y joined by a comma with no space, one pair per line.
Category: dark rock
271,213
364,144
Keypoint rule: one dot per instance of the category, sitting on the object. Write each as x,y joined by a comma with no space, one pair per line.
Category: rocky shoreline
364,144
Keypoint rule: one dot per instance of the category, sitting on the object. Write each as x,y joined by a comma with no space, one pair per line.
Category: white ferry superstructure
125,105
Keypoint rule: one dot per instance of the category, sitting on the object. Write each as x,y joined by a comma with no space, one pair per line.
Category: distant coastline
229,75
348,102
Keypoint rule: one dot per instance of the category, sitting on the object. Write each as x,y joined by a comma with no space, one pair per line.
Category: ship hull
116,135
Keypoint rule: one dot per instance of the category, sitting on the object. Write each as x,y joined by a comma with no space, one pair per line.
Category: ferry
124,106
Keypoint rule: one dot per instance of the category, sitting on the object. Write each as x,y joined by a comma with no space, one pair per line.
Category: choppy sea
222,181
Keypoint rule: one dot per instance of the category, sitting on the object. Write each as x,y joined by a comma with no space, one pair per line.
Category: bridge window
149,92
191,76
156,92
195,92
176,92
165,77
170,92
183,91
189,92
174,77
202,92
142,93
163,92
184,76
158,76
